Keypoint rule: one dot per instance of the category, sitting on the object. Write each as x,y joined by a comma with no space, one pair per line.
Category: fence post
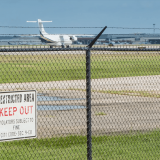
88,95
88,104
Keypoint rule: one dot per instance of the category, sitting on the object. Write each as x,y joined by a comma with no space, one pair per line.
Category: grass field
56,67
132,146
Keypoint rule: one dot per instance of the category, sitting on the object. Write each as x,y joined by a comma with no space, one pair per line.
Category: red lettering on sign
14,109
10,111
21,110
5,111
26,112
31,108
1,113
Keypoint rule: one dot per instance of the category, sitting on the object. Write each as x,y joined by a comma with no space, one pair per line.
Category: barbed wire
44,27
78,35
46,34
130,28
79,27
22,41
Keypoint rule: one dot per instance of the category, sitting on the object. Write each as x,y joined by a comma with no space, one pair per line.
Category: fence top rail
75,49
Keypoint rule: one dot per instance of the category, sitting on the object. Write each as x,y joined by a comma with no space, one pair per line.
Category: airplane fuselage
56,40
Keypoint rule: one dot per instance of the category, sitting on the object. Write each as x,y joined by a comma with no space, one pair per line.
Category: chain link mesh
125,92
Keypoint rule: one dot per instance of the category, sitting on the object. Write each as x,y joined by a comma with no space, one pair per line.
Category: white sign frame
18,99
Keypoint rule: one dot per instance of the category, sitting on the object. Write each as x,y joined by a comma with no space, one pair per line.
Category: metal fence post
88,104
88,95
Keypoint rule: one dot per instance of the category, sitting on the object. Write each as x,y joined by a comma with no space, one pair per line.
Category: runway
111,112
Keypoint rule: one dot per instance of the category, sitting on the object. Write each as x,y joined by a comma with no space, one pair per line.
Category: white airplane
57,39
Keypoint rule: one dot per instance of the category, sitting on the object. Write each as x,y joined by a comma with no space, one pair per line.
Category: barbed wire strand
77,27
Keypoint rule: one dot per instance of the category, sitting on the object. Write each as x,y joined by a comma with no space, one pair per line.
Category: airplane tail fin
40,24
41,28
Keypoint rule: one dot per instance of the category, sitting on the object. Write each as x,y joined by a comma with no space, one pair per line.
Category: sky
79,13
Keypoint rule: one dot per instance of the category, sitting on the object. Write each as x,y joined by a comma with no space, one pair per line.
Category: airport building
136,38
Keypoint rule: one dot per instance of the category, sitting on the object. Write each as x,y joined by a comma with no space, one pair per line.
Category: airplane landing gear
51,46
67,46
62,46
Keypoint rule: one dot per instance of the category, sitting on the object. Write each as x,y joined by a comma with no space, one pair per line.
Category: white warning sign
17,115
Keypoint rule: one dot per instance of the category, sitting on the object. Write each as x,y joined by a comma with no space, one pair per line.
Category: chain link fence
109,93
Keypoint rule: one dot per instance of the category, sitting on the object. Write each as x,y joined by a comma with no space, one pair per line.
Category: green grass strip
130,146
38,68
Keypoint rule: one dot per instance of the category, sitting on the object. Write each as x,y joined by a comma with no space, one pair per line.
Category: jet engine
73,38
